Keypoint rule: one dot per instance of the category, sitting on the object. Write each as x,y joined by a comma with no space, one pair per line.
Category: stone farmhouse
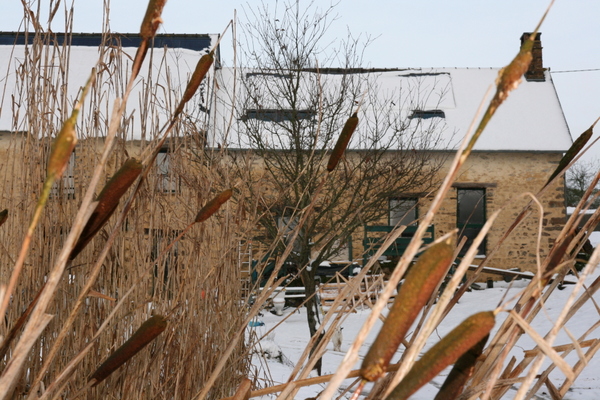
516,154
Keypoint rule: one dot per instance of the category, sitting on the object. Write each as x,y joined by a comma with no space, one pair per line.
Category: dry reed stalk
62,147
61,151
63,298
118,184
83,213
550,337
243,392
409,254
261,299
347,291
508,334
306,382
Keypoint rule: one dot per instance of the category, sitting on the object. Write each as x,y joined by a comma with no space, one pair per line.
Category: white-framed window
65,186
168,182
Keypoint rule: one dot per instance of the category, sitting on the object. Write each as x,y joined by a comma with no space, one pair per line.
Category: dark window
403,211
470,216
425,114
272,115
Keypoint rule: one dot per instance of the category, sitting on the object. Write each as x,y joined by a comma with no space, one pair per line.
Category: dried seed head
461,372
444,353
62,147
342,142
108,199
152,19
213,205
509,77
149,330
419,285
575,148
198,76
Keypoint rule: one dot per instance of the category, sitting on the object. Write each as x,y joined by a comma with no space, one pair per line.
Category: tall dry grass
196,284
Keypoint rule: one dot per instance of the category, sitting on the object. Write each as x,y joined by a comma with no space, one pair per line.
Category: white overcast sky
409,33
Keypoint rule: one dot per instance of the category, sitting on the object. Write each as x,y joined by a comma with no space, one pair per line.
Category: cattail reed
149,330
461,372
444,353
152,19
342,142
198,76
62,147
416,290
108,199
575,148
150,23
213,205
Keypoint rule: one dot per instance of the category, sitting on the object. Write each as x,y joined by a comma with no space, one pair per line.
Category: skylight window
425,114
274,115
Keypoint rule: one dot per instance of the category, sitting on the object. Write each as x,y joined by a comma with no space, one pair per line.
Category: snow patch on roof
531,119
168,75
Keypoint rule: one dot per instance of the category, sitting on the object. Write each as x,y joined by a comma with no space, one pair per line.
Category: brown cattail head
342,142
444,353
62,147
419,285
152,19
149,330
213,205
108,199
198,76
3,216
461,372
575,148
509,77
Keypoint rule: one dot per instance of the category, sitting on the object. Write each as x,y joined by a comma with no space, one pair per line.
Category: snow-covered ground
291,337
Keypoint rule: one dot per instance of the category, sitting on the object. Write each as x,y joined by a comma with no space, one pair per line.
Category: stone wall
506,178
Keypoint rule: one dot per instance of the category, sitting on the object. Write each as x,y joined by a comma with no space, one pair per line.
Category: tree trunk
312,309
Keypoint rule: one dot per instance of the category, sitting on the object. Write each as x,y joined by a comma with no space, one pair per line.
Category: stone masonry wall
506,177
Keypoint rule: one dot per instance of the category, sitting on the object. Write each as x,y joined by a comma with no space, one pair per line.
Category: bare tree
297,92
578,179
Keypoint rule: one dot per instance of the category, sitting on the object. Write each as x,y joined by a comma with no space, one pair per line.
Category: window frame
65,186
167,181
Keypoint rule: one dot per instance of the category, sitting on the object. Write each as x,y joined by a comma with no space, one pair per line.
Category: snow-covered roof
167,76
531,119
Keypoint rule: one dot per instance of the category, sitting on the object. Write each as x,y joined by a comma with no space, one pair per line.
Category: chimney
536,68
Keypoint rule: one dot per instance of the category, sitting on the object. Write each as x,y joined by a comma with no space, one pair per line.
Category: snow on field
290,338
